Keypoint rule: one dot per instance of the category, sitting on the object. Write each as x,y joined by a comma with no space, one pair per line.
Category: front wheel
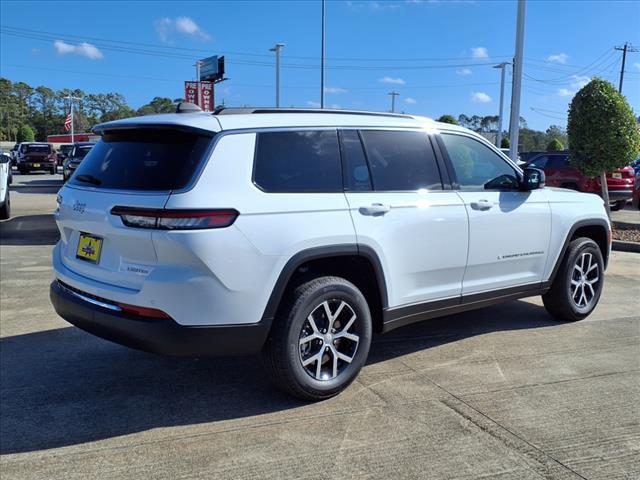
618,205
5,209
320,339
578,284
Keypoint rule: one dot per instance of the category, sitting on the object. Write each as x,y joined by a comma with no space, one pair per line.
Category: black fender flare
317,253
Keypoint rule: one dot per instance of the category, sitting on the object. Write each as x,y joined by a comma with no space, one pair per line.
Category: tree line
553,138
31,113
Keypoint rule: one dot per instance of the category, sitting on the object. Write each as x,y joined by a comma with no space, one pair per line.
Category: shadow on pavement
65,387
29,230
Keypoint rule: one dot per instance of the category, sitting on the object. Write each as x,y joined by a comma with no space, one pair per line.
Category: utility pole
514,123
502,67
197,65
71,99
393,100
277,48
322,62
627,47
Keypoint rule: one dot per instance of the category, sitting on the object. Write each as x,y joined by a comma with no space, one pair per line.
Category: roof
233,119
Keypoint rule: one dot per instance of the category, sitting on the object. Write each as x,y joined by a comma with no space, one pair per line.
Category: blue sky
437,54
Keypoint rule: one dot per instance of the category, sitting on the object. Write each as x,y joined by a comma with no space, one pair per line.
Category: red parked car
636,191
560,173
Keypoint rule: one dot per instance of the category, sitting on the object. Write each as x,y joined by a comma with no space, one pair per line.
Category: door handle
375,209
481,205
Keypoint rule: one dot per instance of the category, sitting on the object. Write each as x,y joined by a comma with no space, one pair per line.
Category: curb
620,246
625,225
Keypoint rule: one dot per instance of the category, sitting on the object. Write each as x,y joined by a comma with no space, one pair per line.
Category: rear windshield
143,159
36,149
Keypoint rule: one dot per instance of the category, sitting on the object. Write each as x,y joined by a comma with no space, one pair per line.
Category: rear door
509,229
400,210
131,168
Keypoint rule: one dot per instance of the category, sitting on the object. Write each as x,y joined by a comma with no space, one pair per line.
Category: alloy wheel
584,280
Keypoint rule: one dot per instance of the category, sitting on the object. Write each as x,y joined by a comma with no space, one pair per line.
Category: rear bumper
41,165
160,335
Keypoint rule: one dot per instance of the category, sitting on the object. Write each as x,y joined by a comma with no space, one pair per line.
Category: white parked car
5,181
300,233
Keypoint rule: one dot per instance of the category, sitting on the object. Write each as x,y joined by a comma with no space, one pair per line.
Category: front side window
476,166
557,161
401,160
297,162
540,162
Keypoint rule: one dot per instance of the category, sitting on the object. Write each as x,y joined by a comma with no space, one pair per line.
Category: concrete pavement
504,392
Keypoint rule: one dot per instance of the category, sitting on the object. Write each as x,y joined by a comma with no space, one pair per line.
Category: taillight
179,219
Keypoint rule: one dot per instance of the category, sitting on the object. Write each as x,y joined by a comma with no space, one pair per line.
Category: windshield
81,152
143,159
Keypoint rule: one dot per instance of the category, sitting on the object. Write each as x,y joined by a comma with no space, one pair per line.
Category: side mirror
5,158
532,179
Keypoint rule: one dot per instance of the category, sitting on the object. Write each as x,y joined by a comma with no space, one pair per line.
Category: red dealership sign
205,102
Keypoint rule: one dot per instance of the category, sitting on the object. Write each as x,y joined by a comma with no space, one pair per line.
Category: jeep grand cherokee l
299,233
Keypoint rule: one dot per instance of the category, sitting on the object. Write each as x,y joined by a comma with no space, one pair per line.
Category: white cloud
636,65
392,81
163,29
335,106
83,49
335,90
558,58
480,97
479,52
188,26
464,71
578,82
410,101
185,25
313,104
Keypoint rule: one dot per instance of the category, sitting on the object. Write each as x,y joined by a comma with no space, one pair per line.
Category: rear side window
143,159
296,162
557,161
401,160
540,162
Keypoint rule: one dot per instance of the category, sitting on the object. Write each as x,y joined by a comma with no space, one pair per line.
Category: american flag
67,122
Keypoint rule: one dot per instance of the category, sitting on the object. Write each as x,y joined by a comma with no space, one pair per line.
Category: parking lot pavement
503,392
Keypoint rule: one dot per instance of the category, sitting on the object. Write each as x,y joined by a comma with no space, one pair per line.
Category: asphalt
504,392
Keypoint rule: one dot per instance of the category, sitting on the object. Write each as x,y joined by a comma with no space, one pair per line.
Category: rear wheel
320,339
618,205
578,284
22,170
52,170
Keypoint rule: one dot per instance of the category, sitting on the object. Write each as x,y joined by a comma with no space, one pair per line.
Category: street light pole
322,62
514,123
393,100
502,67
277,48
198,79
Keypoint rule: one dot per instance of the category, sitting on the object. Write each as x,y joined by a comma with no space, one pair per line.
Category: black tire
283,352
570,186
559,300
52,170
618,205
23,171
5,209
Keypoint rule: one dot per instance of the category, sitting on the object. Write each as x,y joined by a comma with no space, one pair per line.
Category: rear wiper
88,179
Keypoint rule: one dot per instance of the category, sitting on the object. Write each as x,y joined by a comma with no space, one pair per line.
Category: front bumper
617,195
160,335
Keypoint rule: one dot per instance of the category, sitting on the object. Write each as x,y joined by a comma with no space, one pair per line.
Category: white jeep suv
300,233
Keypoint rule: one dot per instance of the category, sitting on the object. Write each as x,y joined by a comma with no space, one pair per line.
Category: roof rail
244,111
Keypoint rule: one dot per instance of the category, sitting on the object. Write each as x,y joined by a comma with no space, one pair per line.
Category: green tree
555,145
157,105
505,143
448,119
603,131
25,134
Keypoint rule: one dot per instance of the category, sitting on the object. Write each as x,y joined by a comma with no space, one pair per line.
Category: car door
509,229
400,210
